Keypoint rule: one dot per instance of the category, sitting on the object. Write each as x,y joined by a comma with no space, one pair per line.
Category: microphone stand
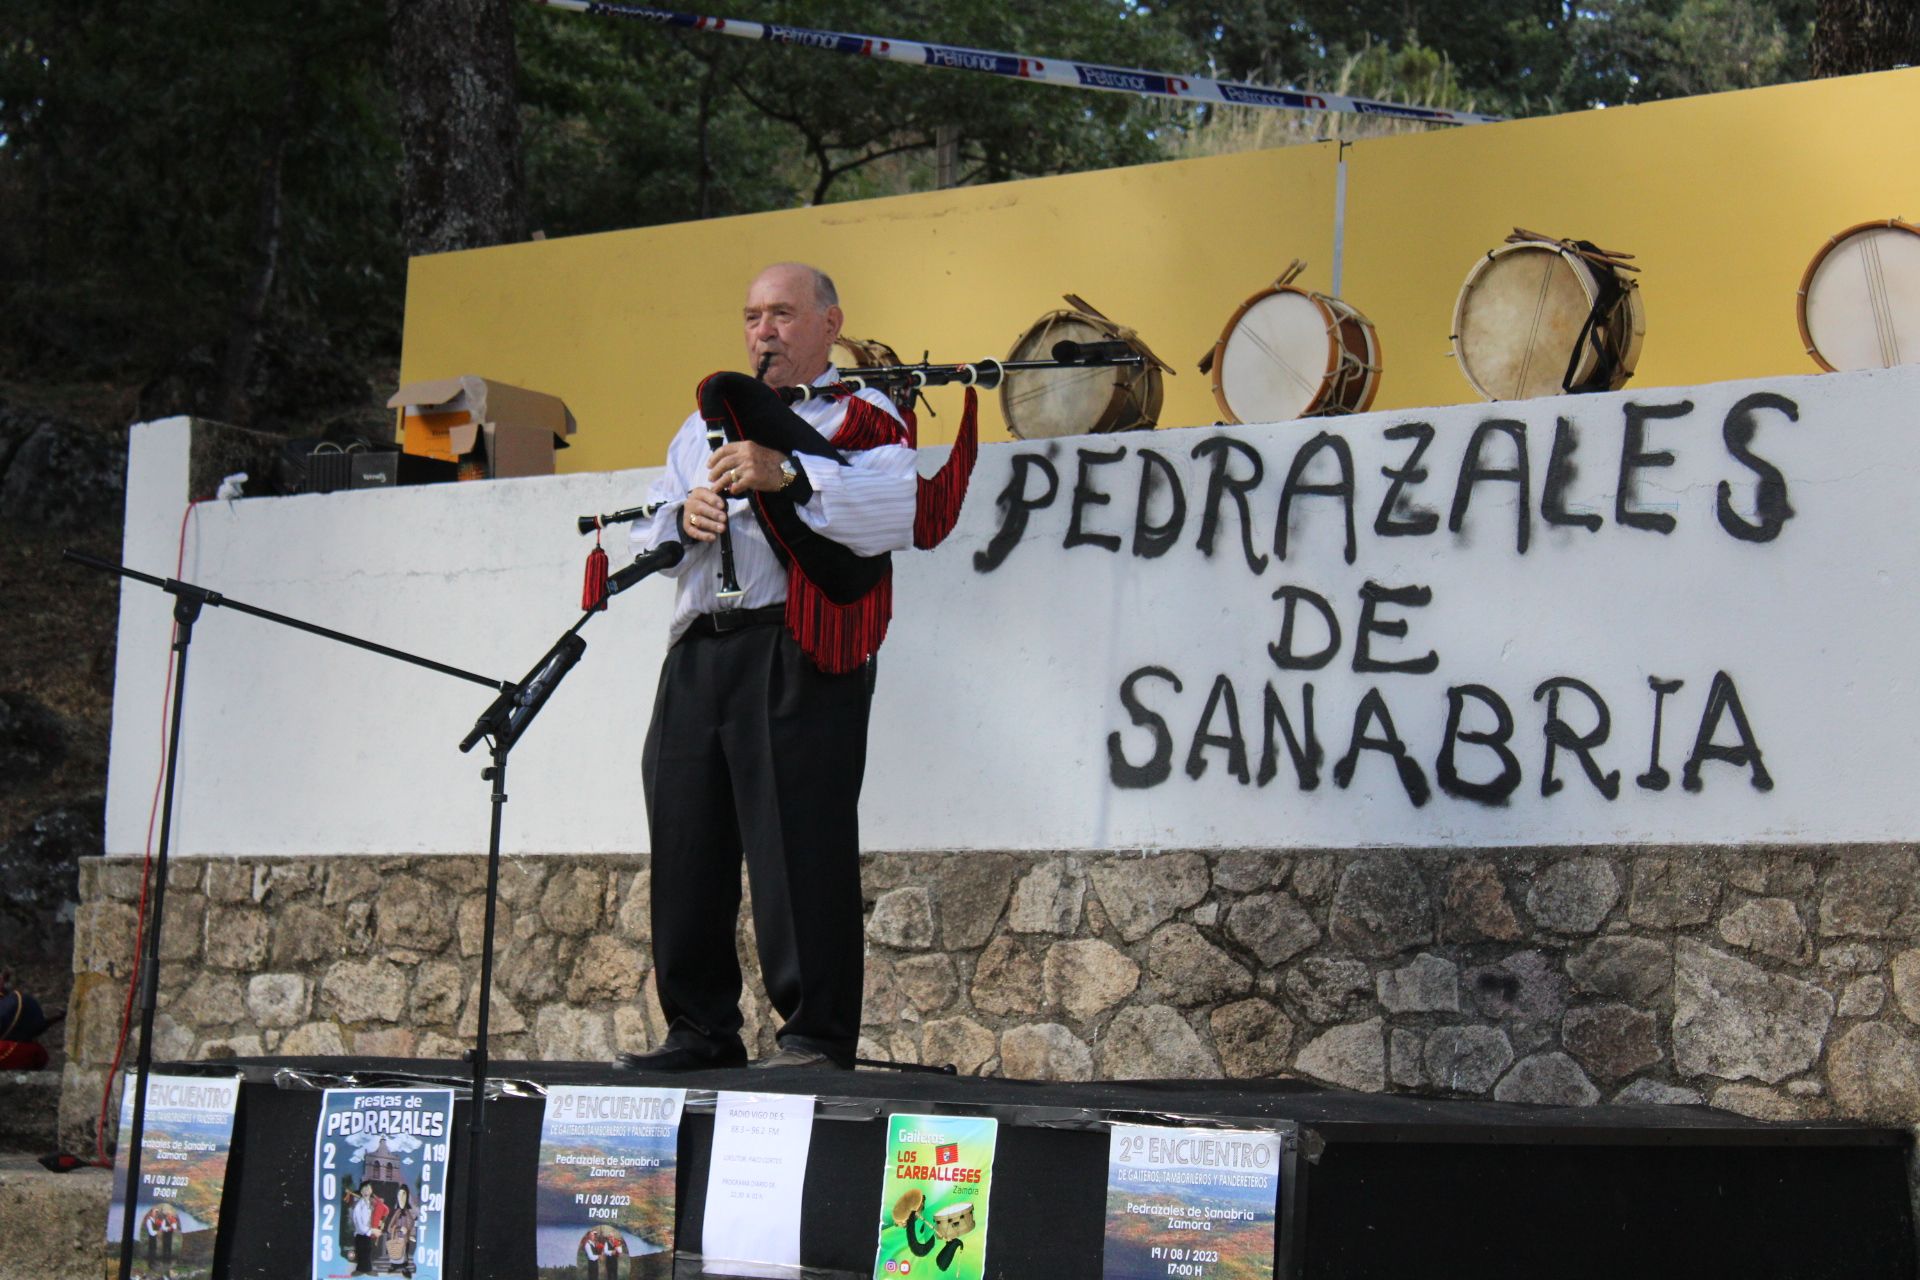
505,721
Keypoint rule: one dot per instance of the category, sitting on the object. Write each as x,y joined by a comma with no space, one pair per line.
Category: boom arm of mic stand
187,593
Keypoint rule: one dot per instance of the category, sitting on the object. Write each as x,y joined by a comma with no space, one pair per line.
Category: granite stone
1273,926
1190,970
1153,1042
1573,895
1381,907
1141,894
1251,1037
1466,1059
1044,1051
1737,1021
1353,1056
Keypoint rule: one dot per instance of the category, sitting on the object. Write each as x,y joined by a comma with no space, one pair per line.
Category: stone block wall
1776,983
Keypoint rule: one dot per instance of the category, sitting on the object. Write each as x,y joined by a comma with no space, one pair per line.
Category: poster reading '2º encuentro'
604,1193
187,1129
1191,1204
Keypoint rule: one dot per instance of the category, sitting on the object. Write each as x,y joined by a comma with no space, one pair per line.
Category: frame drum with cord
1542,317
1290,353
1859,302
1079,401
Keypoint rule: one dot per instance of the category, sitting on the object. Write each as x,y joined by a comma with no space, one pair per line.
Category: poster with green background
934,1199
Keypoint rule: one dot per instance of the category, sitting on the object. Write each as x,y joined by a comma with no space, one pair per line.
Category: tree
455,66
627,125
197,187
1645,50
1851,36
837,117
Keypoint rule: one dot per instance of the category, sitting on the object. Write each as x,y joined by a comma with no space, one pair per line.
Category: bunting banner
1018,66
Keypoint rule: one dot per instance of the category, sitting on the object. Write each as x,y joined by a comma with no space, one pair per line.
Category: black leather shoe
683,1056
795,1056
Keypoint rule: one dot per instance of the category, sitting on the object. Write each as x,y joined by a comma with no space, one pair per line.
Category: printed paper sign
187,1131
933,1204
755,1178
1191,1203
604,1196
380,1183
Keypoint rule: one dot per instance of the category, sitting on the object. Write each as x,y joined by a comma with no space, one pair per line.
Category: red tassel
837,637
938,508
594,594
868,426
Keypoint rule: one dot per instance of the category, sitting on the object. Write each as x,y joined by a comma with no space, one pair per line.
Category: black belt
714,624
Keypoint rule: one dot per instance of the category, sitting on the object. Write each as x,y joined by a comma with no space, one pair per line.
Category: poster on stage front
380,1162
1191,1204
933,1203
185,1136
756,1184
604,1194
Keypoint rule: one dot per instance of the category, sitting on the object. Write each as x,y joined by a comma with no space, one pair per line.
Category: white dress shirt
866,505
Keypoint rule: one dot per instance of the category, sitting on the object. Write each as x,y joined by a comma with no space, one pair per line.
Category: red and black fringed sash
838,604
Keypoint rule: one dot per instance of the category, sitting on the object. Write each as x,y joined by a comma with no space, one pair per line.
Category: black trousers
754,751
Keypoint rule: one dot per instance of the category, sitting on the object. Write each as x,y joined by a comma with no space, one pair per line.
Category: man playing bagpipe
759,734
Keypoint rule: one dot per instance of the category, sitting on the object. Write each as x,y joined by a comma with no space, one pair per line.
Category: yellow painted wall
1722,199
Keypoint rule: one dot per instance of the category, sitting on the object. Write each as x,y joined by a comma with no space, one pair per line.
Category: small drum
1543,317
1859,302
1289,353
1084,401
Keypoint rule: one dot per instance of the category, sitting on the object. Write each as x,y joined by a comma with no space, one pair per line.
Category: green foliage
648,125
137,140
1644,50
136,146
1516,57
626,125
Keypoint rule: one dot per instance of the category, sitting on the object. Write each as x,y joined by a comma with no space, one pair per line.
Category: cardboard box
489,428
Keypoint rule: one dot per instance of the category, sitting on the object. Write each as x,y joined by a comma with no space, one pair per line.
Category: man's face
784,319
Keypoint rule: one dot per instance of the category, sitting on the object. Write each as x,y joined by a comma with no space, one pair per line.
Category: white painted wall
999,689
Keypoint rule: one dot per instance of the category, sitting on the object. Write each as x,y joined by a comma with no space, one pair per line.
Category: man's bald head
793,316
824,291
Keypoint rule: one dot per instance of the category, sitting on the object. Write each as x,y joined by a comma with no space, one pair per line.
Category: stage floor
1386,1185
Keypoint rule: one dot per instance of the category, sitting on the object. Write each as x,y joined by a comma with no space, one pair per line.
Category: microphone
664,556
1092,352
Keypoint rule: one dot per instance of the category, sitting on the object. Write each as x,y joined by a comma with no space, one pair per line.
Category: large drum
1290,353
1079,401
1859,302
1542,317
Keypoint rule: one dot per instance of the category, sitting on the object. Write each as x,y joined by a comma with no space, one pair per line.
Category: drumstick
1884,332
1533,329
1083,375
1306,384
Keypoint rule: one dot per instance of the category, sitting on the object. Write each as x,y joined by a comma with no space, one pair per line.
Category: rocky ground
62,484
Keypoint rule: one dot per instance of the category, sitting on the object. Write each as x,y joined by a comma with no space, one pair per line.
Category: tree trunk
1851,36
460,181
249,317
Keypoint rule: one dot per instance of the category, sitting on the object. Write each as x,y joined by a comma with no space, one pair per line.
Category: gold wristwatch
788,472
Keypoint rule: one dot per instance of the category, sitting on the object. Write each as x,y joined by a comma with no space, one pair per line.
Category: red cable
146,874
